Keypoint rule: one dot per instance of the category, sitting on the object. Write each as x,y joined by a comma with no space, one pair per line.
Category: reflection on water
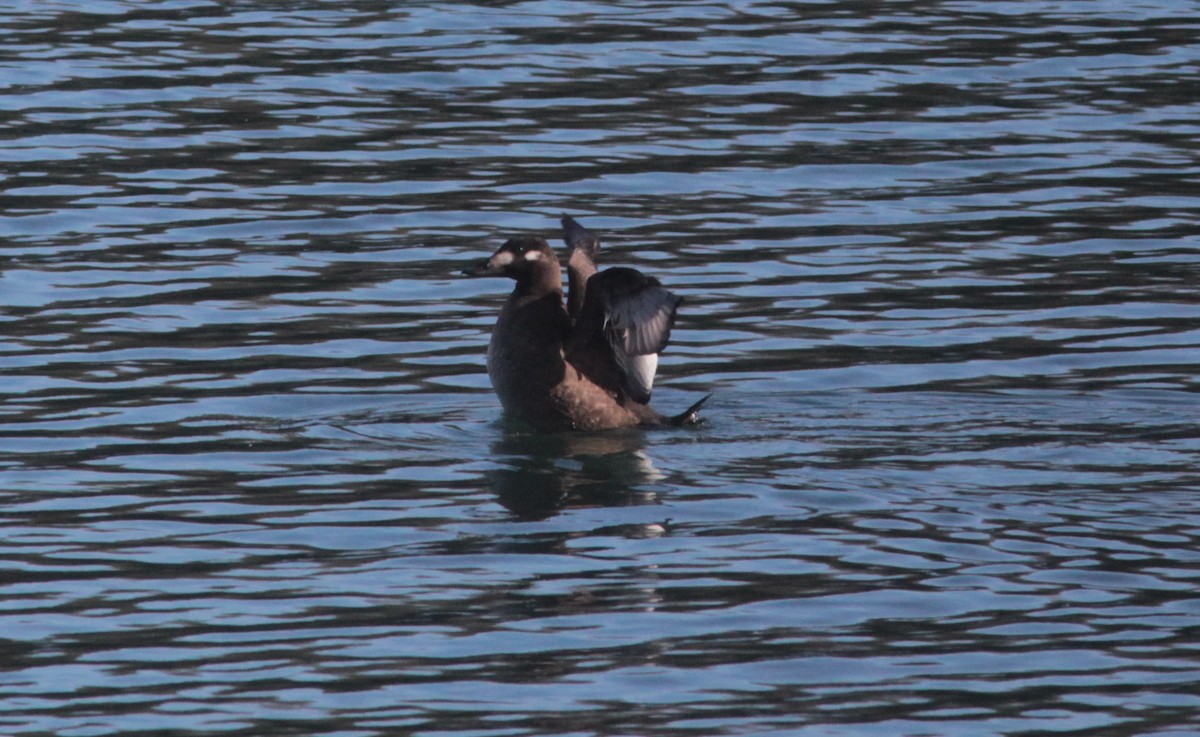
540,473
939,263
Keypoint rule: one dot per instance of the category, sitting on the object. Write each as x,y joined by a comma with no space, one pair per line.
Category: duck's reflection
542,473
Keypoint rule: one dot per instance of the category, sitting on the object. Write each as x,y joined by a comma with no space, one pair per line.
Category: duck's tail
690,416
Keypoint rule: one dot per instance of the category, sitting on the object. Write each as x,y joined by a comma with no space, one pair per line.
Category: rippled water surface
940,270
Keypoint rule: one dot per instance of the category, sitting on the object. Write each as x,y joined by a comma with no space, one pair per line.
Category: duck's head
525,259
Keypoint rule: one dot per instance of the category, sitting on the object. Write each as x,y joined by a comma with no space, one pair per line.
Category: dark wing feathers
623,309
580,263
578,237
643,317
638,316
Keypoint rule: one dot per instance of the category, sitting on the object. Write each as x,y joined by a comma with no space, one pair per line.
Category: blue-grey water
941,265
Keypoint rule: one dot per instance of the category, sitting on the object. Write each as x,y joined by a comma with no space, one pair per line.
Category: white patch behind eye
533,255
502,259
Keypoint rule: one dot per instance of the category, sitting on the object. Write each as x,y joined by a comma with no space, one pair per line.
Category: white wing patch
640,371
638,316
637,369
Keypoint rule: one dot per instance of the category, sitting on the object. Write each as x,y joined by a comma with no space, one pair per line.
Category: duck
588,363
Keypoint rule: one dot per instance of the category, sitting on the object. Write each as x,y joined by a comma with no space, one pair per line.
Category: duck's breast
524,359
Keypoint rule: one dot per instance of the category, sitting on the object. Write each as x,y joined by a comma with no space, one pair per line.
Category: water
940,264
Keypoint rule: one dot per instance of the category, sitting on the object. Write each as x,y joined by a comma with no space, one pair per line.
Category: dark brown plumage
591,364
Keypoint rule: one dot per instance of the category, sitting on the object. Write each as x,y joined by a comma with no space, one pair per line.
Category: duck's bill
483,268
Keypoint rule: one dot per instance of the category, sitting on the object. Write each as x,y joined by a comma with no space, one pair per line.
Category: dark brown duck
589,365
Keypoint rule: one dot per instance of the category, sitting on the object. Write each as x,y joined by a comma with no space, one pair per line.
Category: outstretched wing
580,263
578,237
638,316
